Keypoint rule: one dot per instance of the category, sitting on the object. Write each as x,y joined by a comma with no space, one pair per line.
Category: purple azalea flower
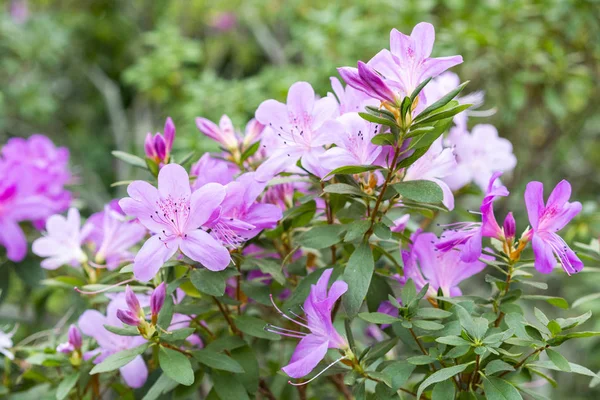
479,154
92,324
352,135
546,220
470,234
241,217
73,343
442,270
435,165
299,128
175,215
61,244
225,133
350,99
313,346
393,74
113,236
209,169
400,223
158,147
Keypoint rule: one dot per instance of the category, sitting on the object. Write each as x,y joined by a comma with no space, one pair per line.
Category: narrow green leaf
254,327
433,313
228,387
353,169
441,375
65,386
217,360
495,366
357,275
444,100
125,330
119,359
130,159
427,325
499,389
559,360
555,301
400,371
384,139
322,236
209,282
162,385
418,89
453,341
420,191
377,318
378,120
444,390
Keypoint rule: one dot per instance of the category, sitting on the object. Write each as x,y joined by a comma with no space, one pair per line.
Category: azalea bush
317,254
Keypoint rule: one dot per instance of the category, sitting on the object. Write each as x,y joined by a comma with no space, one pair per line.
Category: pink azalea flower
241,217
352,135
350,99
393,74
435,165
225,133
299,128
92,324
175,215
61,244
73,343
479,154
113,236
210,169
158,147
470,234
313,346
442,270
546,220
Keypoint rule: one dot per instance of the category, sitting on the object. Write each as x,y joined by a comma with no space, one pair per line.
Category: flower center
173,213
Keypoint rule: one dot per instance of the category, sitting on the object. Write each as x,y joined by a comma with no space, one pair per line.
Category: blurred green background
97,75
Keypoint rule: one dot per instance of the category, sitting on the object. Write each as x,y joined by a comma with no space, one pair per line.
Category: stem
338,381
329,214
170,346
423,350
473,377
520,363
505,292
225,311
264,389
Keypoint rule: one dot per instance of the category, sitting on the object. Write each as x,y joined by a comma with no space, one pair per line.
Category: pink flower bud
169,133
158,298
128,318
132,302
75,337
510,226
254,130
149,146
160,146
65,348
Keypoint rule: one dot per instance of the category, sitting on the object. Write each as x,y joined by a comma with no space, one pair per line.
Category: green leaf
343,188
441,375
443,101
499,389
586,299
453,341
130,159
254,327
353,169
246,357
433,313
322,236
177,335
495,366
166,313
357,275
554,328
559,360
250,151
228,387
384,139
217,360
270,267
119,359
382,231
226,343
443,391
555,301
176,366
541,316
568,323
380,349
126,330
445,113
302,214
377,318
420,360
427,325
65,386
400,371
378,120
421,191
356,230
209,282
418,89
162,385
575,368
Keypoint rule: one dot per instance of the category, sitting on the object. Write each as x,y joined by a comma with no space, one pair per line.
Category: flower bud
65,348
132,302
169,134
254,130
158,299
161,147
149,146
75,337
128,318
510,226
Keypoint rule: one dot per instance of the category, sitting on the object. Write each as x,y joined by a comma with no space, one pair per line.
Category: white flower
6,343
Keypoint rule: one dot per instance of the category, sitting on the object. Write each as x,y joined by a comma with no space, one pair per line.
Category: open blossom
479,154
61,244
435,165
210,169
470,234
92,324
442,270
225,133
298,125
113,236
73,343
158,147
313,346
6,343
546,220
393,74
241,217
175,215
350,99
352,135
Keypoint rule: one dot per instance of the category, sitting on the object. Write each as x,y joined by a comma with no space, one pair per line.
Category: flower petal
135,372
534,201
544,257
203,203
301,99
202,247
423,36
13,238
153,254
173,180
309,352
